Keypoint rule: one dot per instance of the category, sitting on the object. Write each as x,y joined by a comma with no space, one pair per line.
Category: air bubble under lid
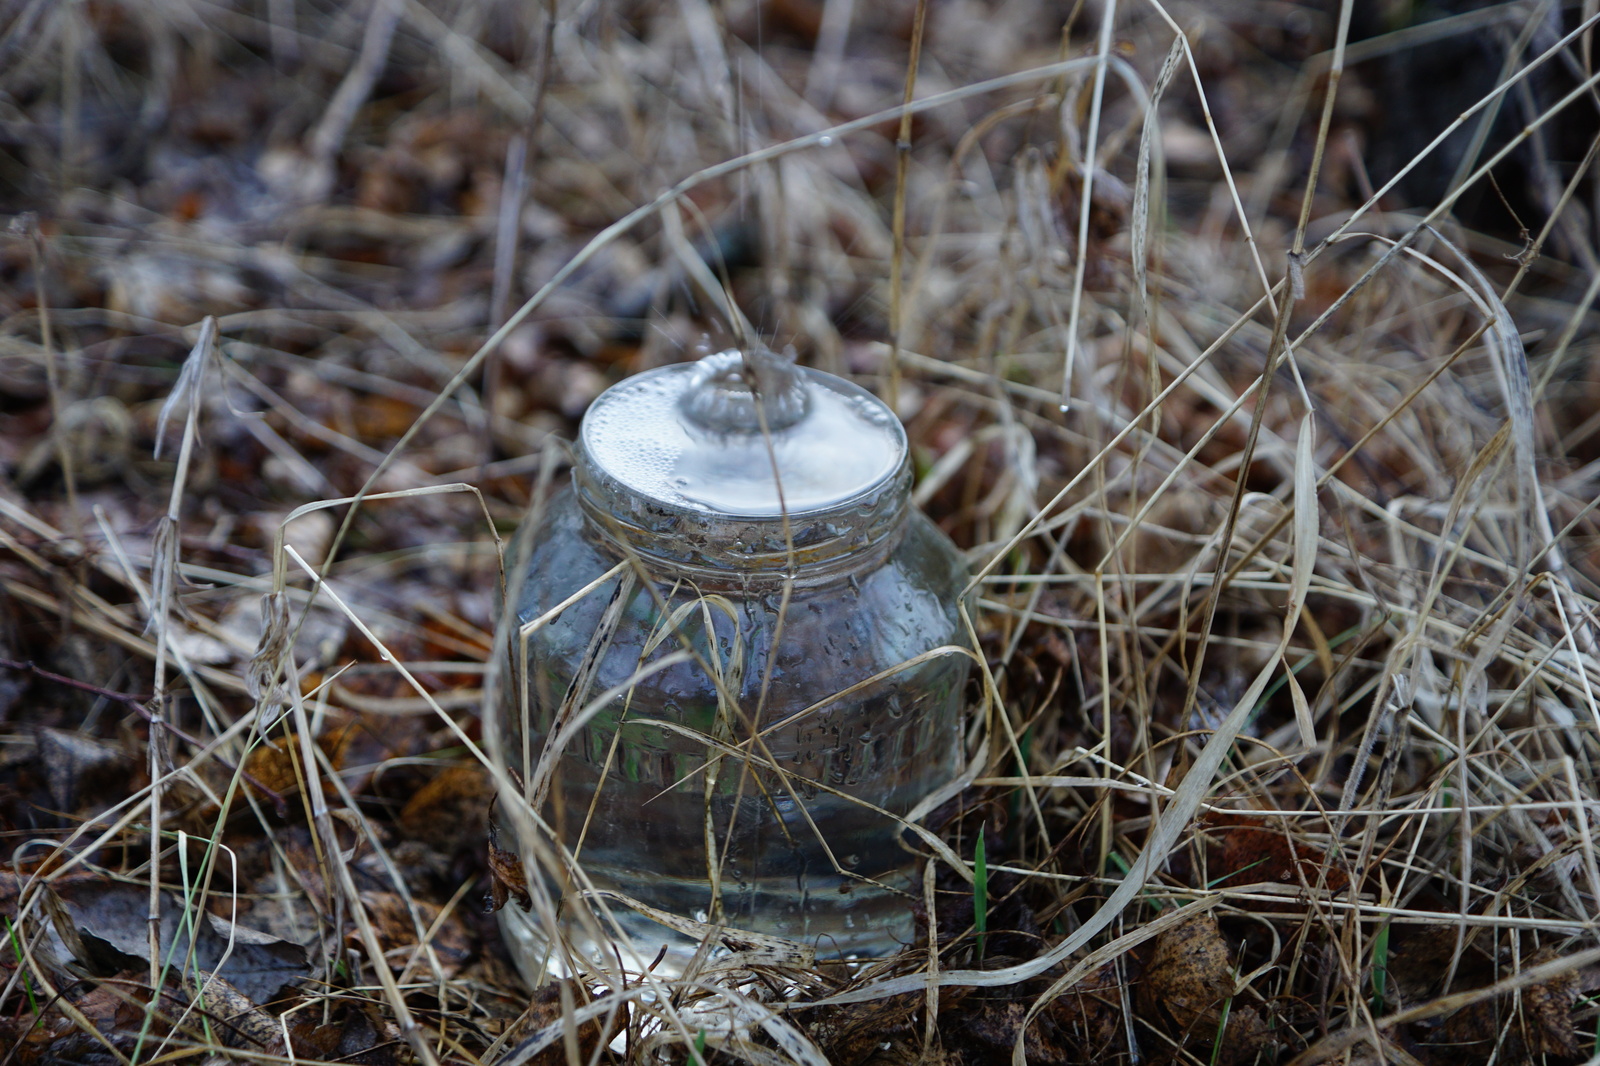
697,436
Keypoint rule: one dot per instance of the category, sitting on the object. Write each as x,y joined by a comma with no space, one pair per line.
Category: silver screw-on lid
743,433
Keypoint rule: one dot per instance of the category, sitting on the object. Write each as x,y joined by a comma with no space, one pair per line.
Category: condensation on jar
732,659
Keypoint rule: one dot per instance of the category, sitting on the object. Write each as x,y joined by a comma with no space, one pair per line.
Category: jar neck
746,552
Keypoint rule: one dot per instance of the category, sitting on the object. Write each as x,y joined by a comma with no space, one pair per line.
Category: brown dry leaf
115,1010
985,1030
1186,984
507,879
1081,1025
1189,975
241,1024
391,920
1420,957
1547,1027
1254,850
382,418
451,810
1516,1028
1088,1016
275,764
853,1034
544,1011
359,1035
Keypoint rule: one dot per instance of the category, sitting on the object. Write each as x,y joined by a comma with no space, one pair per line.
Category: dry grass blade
1086,168
1144,181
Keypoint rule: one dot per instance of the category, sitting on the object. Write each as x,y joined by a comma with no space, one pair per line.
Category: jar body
729,784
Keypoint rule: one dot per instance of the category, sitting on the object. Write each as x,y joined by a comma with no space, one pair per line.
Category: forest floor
1276,467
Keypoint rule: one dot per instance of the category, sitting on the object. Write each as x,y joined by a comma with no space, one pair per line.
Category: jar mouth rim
703,541
587,469
626,463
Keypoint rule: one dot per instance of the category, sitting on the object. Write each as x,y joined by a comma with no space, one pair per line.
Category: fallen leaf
239,1021
1422,956
77,765
1186,984
397,931
544,1014
116,1012
275,764
108,927
451,810
852,1034
1254,850
357,1035
1088,1016
1083,1024
1522,1027
507,879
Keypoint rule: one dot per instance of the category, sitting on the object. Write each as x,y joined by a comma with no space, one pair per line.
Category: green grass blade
980,893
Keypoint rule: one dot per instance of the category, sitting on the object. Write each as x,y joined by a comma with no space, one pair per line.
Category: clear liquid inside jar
766,671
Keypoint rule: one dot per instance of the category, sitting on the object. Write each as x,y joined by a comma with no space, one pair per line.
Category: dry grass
1278,489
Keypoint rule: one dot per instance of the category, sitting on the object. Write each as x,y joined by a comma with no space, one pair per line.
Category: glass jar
733,656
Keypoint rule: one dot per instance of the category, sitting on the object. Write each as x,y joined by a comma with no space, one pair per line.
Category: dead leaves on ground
1253,850
1083,1024
1188,992
539,1036
235,953
1174,1001
1528,1025
978,1026
855,1034
102,926
1189,1003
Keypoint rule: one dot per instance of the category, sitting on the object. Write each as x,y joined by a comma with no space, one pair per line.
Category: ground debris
242,1022
115,1013
1530,1025
451,810
538,1036
1251,849
508,878
442,946
879,1032
357,1033
1083,1024
1188,992
103,925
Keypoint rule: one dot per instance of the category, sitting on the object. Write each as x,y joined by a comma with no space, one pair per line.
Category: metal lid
745,434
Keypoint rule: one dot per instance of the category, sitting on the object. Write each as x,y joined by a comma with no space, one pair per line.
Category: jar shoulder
836,633
560,561
900,609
